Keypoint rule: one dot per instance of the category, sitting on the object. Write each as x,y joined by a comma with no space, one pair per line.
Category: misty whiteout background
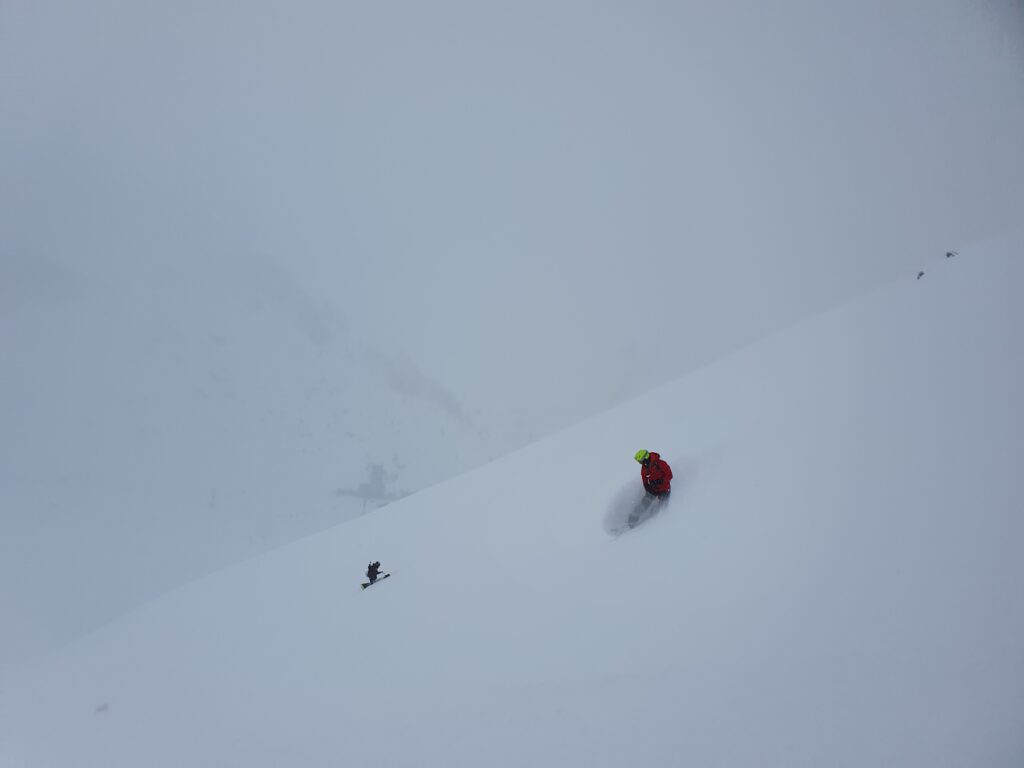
835,580
266,268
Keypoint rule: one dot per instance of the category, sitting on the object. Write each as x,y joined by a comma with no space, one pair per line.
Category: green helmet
641,455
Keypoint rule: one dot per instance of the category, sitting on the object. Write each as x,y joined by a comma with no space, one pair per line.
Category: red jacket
656,474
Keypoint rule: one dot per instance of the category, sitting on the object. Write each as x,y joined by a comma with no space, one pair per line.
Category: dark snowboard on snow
379,578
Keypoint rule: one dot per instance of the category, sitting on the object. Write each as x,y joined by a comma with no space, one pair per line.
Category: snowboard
380,578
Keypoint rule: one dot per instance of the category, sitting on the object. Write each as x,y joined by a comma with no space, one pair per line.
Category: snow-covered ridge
835,581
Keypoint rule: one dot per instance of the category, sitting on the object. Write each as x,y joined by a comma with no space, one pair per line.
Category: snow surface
835,581
164,417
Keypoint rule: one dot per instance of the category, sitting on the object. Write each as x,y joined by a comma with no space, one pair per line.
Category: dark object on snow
373,571
366,584
373,574
951,254
920,275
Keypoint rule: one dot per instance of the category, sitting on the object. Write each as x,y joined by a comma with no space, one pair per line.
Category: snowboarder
655,473
373,571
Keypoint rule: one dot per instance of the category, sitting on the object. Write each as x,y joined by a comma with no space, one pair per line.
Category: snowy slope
836,581
167,412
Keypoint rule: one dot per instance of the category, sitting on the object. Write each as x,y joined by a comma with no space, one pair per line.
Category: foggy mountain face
164,418
266,267
834,579
519,201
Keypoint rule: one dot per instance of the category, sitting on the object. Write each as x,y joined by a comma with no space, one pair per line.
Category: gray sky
521,212
514,195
